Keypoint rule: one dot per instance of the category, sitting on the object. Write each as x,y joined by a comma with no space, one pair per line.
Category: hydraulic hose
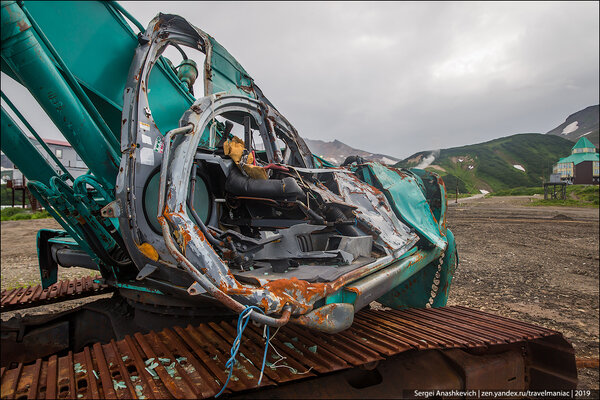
335,214
238,184
315,217
87,179
96,246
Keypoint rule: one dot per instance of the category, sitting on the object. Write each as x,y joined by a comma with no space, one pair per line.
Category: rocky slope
336,152
581,123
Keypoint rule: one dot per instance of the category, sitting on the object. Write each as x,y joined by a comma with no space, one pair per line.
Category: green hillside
490,165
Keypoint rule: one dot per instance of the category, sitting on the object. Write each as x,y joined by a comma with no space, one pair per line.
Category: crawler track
33,296
190,362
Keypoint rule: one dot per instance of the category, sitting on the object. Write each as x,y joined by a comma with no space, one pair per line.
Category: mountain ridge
523,159
584,122
336,152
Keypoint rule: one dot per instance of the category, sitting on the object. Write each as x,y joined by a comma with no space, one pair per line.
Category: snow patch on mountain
572,127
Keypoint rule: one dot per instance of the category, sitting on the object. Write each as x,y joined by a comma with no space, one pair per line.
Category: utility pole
456,198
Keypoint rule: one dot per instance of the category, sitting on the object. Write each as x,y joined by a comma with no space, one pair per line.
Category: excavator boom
202,204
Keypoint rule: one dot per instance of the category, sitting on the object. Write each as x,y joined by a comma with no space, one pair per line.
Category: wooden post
12,189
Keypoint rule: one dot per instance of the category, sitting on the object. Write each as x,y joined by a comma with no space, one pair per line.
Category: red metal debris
33,296
190,362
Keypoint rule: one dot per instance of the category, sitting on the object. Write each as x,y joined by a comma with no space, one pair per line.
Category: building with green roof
582,166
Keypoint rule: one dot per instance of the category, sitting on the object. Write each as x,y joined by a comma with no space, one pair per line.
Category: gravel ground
535,264
19,254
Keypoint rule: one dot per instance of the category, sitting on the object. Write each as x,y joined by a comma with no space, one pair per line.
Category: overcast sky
397,78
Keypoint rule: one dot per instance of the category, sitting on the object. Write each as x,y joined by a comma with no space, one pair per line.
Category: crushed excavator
192,226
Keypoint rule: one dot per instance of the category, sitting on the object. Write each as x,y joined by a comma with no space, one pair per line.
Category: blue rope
243,320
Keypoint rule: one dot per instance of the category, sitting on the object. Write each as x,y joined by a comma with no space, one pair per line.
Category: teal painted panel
227,74
97,45
321,162
406,193
415,291
167,100
435,192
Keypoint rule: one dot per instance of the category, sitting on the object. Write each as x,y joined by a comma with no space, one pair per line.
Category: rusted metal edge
68,289
587,363
189,362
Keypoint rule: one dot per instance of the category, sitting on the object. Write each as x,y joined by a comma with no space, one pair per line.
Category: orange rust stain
230,274
199,233
320,317
308,290
353,289
186,237
265,304
23,26
400,173
293,291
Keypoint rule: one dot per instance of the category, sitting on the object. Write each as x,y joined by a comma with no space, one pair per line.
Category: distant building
582,166
61,149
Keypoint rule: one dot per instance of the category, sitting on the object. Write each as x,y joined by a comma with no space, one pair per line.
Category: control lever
247,133
228,128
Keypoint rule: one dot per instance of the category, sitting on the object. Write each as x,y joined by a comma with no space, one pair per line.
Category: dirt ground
535,264
19,254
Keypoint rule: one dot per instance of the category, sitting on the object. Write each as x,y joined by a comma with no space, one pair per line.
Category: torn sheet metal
374,211
403,189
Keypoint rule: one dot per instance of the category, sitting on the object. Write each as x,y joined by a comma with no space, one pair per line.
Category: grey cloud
396,78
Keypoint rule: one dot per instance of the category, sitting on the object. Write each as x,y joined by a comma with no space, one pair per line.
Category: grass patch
577,196
563,203
576,193
41,215
589,193
452,196
23,285
18,214
10,211
519,191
